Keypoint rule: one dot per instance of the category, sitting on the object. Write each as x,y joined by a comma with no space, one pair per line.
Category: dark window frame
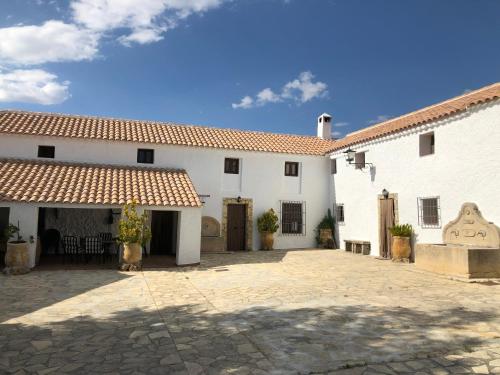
46,151
429,148
340,213
429,212
231,165
292,169
145,156
293,218
333,166
360,160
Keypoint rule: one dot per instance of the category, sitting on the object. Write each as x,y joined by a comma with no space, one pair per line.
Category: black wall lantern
385,193
238,199
350,156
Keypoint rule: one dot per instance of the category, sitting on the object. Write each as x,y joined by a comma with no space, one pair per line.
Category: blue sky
193,61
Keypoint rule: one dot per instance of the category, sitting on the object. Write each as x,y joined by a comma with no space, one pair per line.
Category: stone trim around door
249,220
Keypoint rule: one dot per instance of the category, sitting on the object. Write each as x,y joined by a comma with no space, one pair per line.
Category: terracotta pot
17,258
324,236
132,253
267,240
401,248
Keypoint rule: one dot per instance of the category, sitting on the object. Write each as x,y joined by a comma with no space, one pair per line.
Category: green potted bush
17,254
325,231
133,234
267,224
401,248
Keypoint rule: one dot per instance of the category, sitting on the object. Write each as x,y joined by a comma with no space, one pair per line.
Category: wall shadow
264,339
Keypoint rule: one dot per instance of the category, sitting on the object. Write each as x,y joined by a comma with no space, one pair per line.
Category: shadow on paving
36,290
257,340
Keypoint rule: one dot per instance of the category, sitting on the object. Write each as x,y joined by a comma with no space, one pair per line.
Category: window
426,142
333,166
145,156
231,166
429,212
339,213
359,159
293,217
46,152
291,168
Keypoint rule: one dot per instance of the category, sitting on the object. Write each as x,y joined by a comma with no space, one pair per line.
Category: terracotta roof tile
59,125
56,182
422,116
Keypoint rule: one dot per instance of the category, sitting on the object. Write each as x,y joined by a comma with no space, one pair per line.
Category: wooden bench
357,247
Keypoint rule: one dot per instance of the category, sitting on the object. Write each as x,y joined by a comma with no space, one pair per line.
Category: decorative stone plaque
210,227
471,229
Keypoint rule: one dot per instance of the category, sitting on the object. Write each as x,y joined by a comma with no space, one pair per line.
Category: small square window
426,144
291,168
46,152
359,159
333,166
231,166
429,212
339,213
145,156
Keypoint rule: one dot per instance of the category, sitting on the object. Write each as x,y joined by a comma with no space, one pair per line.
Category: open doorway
4,222
164,225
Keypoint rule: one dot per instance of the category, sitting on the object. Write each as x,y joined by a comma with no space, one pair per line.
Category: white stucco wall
464,168
261,175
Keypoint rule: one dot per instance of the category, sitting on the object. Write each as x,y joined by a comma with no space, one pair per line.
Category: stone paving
279,312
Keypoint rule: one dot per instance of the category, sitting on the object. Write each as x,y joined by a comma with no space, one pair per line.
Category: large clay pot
325,237
401,249
17,260
267,240
132,253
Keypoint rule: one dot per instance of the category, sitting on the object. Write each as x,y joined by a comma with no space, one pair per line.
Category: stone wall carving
470,228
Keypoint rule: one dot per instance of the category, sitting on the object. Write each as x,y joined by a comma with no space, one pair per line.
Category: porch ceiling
57,182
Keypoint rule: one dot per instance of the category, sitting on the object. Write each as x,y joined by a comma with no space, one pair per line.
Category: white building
73,173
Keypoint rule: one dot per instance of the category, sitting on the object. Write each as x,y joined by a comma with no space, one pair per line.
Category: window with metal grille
291,168
359,159
231,166
333,166
426,144
46,152
339,213
145,156
293,217
429,212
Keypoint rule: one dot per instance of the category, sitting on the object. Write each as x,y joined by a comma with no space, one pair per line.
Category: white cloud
341,124
380,118
336,134
300,90
303,89
245,103
53,41
32,86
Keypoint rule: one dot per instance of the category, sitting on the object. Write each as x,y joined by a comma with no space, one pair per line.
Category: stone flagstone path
279,312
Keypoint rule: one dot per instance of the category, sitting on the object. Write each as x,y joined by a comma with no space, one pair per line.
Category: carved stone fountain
211,240
471,247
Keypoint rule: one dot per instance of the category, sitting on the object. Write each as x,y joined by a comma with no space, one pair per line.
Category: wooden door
4,222
164,232
236,227
386,221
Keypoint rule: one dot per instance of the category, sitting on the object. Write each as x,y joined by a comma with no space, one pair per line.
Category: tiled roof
422,116
55,182
83,127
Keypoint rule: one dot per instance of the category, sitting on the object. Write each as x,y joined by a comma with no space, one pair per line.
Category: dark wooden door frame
236,227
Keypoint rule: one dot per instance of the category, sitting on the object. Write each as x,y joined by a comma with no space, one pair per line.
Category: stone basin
471,249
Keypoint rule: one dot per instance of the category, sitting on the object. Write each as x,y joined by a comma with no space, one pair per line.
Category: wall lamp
385,193
351,156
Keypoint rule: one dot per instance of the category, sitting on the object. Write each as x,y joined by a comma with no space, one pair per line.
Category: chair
93,246
71,247
107,243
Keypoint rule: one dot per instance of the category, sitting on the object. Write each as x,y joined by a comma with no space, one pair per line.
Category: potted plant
267,224
133,233
325,231
401,249
17,254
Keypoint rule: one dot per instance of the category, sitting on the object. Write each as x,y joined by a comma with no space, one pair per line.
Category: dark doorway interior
4,222
164,230
386,220
236,227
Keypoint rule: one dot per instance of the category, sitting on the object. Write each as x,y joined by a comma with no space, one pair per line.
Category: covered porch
69,213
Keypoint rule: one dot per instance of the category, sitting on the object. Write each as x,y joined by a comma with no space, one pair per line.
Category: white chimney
325,126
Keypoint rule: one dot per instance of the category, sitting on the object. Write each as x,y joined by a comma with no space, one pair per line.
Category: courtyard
278,312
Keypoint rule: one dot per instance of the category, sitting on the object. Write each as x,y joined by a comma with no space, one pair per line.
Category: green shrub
268,222
328,222
12,231
133,227
404,230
